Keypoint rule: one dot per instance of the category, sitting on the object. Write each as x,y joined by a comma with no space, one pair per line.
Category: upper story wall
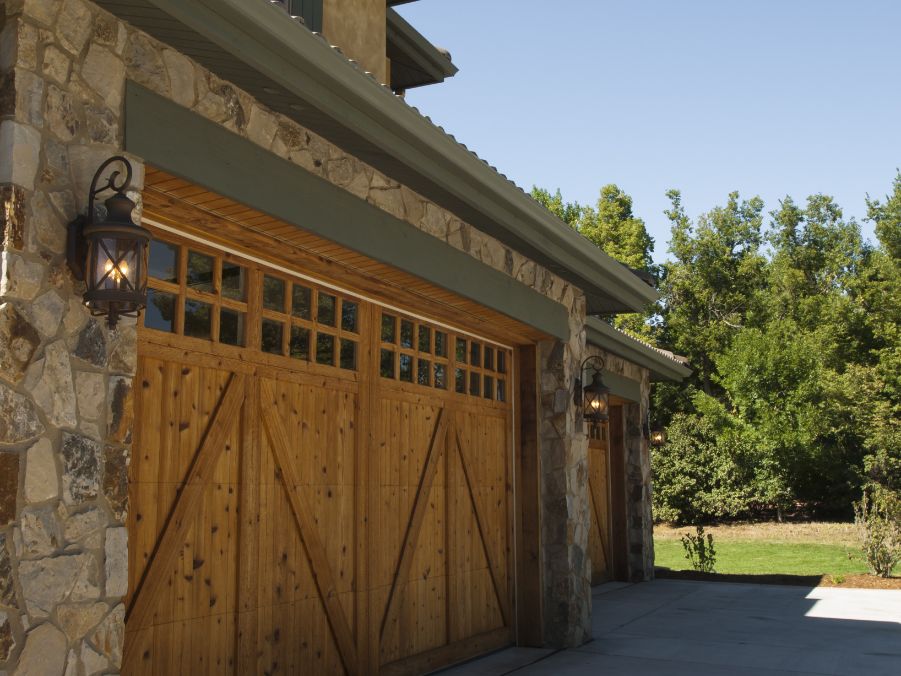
358,28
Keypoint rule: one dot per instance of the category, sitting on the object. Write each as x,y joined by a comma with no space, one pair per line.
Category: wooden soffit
201,152
193,210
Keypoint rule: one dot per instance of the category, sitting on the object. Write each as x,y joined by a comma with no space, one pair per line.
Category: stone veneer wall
65,379
639,519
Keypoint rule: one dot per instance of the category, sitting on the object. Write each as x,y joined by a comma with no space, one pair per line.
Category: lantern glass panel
115,264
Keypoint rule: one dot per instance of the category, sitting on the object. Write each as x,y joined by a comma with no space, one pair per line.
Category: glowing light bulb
116,273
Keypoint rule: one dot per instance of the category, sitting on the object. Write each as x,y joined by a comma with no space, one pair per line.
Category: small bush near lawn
878,518
699,550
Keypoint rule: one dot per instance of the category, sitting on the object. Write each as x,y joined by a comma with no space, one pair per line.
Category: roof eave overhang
434,65
296,73
601,334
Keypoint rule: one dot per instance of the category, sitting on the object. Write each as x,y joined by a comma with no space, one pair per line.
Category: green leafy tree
568,212
712,288
612,226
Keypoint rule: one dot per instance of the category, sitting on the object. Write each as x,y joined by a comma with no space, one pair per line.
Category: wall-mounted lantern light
593,398
110,254
658,437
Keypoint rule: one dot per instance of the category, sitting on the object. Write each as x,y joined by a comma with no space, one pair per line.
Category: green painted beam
623,387
183,143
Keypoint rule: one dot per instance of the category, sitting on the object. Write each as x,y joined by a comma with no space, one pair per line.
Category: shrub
703,473
878,519
699,550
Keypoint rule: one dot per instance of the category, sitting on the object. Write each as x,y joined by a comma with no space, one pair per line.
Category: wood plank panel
599,497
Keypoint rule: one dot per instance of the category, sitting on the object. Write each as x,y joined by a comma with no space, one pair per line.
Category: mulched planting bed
846,581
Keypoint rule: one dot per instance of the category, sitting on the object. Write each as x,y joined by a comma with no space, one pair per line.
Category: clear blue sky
761,96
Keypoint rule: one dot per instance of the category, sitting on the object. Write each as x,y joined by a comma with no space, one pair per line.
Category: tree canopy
790,321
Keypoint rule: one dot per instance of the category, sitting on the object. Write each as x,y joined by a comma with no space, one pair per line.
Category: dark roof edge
305,65
414,44
661,365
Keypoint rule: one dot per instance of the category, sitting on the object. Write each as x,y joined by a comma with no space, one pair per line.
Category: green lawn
759,557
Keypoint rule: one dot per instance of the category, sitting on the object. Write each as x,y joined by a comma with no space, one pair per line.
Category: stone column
65,378
638,489
564,492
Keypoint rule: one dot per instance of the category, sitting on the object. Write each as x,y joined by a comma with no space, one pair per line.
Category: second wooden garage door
319,484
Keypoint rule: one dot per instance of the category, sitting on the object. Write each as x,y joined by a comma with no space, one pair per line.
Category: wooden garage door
319,484
599,495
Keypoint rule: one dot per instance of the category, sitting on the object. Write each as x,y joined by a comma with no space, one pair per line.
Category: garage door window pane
299,347
348,355
441,376
163,261
488,390
200,272
231,327
386,364
460,381
389,329
461,350
423,374
501,362
273,293
160,312
475,354
326,311
349,312
406,368
198,319
406,333
233,276
425,339
325,349
271,336
440,344
301,301
489,358
501,390
475,382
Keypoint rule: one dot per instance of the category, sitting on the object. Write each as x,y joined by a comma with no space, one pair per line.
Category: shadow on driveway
687,628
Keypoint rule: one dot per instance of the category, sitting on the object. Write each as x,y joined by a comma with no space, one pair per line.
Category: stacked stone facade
66,379
639,519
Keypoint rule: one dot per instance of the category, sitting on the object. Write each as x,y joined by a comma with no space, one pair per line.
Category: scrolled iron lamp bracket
110,255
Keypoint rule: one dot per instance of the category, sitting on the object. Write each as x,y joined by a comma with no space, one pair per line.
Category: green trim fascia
284,65
603,335
622,386
183,143
415,47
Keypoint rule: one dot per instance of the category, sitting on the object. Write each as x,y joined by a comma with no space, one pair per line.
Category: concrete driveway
670,627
